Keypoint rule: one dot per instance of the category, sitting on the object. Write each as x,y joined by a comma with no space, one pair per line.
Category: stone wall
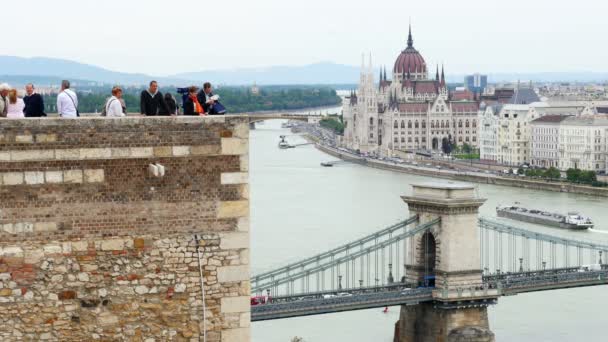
93,246
426,323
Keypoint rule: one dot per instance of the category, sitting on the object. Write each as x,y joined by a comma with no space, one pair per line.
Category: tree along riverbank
464,176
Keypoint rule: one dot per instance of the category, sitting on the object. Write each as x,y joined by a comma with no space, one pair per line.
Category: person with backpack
67,101
113,106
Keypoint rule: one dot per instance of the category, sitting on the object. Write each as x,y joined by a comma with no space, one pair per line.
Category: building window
402,124
416,124
423,124
474,123
432,124
371,135
396,124
409,124
459,123
409,139
402,139
423,139
466,124
396,140
371,121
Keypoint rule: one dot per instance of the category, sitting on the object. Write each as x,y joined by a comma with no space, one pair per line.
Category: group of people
152,102
202,102
11,106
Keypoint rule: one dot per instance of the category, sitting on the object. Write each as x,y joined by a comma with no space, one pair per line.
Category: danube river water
300,208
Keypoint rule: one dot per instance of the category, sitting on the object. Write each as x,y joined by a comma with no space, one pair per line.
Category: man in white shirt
67,101
114,106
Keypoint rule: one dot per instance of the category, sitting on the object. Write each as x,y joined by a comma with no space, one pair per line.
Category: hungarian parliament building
408,112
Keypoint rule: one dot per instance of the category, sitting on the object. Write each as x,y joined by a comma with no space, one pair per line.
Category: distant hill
319,73
65,69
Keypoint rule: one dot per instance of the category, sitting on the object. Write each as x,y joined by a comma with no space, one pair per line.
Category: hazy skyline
164,38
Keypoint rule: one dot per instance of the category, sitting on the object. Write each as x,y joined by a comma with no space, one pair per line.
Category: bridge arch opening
429,258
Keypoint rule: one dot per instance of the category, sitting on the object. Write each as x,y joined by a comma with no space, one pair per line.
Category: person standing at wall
171,104
192,105
67,101
15,105
4,88
205,98
152,101
114,105
34,103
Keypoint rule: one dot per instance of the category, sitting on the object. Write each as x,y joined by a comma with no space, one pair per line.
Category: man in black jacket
204,98
153,102
34,103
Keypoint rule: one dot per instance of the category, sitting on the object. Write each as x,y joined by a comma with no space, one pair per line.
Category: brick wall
93,246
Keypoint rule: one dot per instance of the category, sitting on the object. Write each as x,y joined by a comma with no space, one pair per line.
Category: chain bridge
444,257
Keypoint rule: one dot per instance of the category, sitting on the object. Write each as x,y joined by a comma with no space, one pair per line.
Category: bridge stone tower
448,257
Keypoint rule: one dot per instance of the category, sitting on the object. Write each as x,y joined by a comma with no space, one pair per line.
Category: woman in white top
15,105
114,106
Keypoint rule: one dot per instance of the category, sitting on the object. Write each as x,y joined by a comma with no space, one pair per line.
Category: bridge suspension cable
510,249
329,255
345,268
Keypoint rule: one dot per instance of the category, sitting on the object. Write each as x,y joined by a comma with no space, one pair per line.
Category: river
299,209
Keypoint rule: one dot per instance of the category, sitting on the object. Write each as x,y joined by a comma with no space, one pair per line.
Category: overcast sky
167,37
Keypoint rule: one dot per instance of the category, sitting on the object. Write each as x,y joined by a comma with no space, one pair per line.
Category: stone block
67,154
12,178
181,151
233,209
163,151
23,227
72,176
33,256
5,156
245,320
95,153
234,146
243,224
12,251
46,138
24,139
227,274
244,256
235,304
244,163
94,176
234,178
53,177
244,191
34,177
121,152
205,150
112,245
45,226
234,240
241,130
52,249
80,246
32,155
142,152
236,335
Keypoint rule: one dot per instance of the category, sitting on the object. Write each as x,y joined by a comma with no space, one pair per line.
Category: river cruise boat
572,220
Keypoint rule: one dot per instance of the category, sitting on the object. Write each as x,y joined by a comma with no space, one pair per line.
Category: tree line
235,99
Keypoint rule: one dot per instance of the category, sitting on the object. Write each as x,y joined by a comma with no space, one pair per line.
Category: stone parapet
94,246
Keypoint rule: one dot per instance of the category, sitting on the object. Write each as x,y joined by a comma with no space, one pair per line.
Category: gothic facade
408,112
